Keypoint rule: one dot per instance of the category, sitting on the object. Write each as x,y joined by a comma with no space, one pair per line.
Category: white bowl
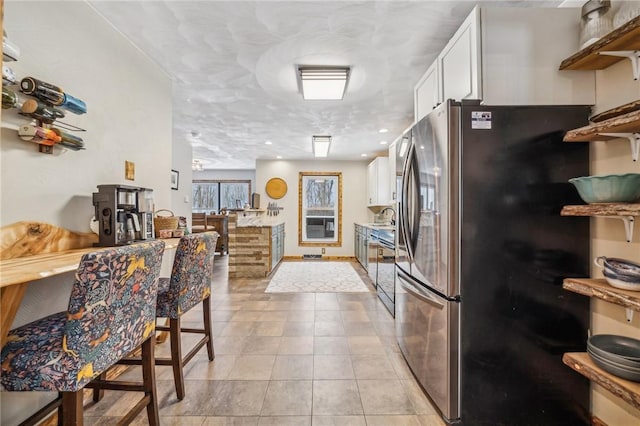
620,273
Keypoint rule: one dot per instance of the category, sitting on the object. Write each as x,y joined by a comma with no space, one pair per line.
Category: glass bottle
596,21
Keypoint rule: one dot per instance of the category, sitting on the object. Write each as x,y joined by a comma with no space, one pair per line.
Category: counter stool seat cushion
38,361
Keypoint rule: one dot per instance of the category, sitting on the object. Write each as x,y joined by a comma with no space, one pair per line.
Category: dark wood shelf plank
599,288
627,37
626,390
627,123
603,209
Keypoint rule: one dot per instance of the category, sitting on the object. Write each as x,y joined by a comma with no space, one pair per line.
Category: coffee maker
124,214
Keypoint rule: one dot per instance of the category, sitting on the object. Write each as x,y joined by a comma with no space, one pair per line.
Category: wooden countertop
30,268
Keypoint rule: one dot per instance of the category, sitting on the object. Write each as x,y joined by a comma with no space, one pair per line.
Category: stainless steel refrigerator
481,252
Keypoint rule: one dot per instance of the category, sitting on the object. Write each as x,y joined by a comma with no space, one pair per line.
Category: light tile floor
324,359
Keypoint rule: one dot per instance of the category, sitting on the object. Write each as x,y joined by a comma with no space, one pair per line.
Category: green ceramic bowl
608,189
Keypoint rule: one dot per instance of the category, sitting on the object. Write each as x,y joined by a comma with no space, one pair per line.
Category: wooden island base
254,250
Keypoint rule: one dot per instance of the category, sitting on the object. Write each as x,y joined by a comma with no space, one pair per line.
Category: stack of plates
618,355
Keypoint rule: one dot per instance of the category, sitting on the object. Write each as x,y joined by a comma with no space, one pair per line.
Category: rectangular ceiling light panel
321,145
323,83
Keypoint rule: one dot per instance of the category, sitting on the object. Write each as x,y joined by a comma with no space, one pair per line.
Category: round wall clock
276,188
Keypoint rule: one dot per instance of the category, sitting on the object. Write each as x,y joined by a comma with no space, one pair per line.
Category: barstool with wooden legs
112,311
189,285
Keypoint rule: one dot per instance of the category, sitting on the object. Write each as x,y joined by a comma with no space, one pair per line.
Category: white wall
129,115
354,199
181,162
129,118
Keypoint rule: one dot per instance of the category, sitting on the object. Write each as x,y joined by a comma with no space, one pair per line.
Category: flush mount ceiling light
323,82
321,145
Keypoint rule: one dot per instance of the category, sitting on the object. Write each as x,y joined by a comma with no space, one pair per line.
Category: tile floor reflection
323,359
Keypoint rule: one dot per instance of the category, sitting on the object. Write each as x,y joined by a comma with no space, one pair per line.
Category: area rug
315,277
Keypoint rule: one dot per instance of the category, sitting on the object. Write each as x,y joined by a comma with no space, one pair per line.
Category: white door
372,183
426,93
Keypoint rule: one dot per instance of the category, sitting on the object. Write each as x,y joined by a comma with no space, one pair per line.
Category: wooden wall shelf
627,37
599,288
627,390
622,211
604,209
627,123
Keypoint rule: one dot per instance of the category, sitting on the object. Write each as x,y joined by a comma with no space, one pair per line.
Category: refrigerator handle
404,203
416,205
417,286
406,286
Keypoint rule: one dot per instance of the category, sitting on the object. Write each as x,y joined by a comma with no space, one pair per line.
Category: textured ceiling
233,70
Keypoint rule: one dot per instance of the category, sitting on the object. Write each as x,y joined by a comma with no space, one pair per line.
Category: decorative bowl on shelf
620,273
609,188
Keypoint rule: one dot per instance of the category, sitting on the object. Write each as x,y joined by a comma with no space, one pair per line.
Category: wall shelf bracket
634,140
628,225
629,314
632,55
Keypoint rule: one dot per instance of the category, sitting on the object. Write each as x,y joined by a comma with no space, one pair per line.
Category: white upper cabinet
459,61
427,93
509,56
378,182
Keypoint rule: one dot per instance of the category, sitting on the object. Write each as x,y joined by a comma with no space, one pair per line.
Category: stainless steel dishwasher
372,255
386,278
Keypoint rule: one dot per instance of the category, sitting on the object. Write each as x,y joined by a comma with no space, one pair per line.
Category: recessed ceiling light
279,157
268,142
383,130
320,145
323,82
383,142
363,155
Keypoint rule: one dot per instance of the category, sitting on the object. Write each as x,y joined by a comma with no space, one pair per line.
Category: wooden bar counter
17,273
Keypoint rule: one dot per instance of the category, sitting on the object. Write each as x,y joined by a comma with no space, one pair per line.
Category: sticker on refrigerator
480,119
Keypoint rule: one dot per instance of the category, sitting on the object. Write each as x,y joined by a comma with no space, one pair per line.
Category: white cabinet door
372,183
459,62
426,94
378,182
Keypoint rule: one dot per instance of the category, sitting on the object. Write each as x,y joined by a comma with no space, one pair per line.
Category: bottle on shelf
38,135
67,139
52,95
40,111
42,90
9,98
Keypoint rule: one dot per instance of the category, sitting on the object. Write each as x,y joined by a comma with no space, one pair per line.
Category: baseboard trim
324,258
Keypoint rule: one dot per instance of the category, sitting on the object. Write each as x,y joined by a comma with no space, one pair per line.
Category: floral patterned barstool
112,311
189,285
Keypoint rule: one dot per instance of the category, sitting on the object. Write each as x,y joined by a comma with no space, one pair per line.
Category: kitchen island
256,245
